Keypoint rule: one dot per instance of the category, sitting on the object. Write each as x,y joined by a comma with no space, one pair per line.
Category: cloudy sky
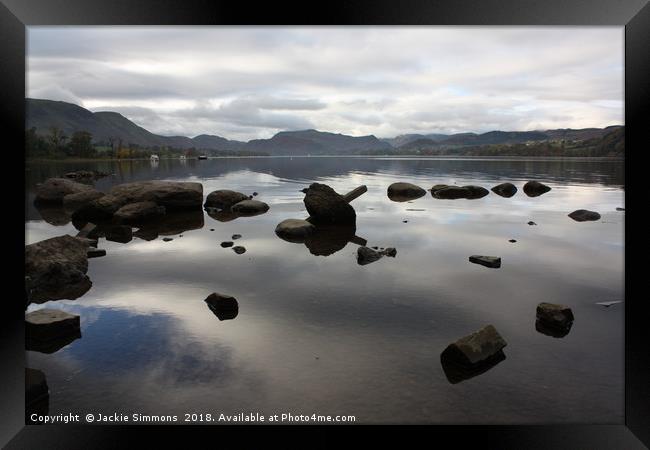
251,82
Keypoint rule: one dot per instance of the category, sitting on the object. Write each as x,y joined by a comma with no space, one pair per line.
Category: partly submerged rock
325,206
531,223
173,195
137,213
118,233
554,316
248,208
98,210
505,189
367,255
224,199
437,187
56,269
487,261
48,330
36,389
227,244
620,209
456,192
239,249
234,237
225,307
583,215
535,188
53,213
53,190
294,230
73,202
401,192
473,354
167,239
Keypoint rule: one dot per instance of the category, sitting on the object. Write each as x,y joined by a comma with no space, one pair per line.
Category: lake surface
324,335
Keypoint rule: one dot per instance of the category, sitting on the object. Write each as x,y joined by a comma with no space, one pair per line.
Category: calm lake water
325,335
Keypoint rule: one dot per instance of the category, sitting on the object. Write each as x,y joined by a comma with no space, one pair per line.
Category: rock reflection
456,371
555,332
329,239
51,345
171,224
53,214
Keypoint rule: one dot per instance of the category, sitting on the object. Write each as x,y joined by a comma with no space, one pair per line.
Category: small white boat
203,157
154,158
183,157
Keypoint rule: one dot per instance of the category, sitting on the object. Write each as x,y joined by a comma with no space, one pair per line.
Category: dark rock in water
558,317
36,389
239,249
119,233
329,239
73,202
234,237
98,210
227,244
167,239
225,307
505,190
367,255
304,190
146,234
139,212
48,330
173,195
325,206
457,192
294,230
620,209
437,187
54,214
531,223
96,252
248,208
55,269
224,199
487,261
582,215
222,215
87,230
512,240
211,229
405,221
53,190
473,354
401,192
255,194
535,189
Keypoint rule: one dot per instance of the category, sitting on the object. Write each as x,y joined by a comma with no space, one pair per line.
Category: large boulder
224,199
225,307
535,188
138,212
505,189
583,215
294,230
48,330
72,202
172,195
325,206
99,210
56,269
54,189
402,192
455,192
247,208
473,355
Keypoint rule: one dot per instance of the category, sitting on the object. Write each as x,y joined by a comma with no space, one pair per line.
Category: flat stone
173,195
583,215
487,261
531,223
227,244
48,330
96,252
167,239
457,192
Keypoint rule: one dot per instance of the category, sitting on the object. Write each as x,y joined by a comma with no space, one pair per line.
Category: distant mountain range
106,126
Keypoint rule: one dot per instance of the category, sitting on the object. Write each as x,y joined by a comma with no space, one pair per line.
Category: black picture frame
15,15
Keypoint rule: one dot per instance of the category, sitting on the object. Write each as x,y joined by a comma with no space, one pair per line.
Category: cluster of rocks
401,192
225,205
